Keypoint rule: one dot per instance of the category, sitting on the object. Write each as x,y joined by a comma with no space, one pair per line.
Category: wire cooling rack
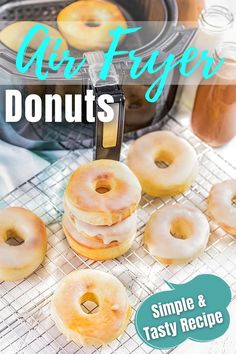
26,326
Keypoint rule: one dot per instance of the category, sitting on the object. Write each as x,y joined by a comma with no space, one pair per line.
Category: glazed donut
138,111
100,242
13,35
177,234
85,24
18,262
167,147
220,205
99,328
102,192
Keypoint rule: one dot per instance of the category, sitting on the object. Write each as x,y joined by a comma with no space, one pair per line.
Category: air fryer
163,34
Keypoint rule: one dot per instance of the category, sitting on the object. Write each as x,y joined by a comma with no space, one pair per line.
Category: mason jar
214,23
214,111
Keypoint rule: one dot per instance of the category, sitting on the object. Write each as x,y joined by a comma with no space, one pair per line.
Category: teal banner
196,310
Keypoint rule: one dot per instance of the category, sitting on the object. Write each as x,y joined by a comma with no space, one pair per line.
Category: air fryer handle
109,136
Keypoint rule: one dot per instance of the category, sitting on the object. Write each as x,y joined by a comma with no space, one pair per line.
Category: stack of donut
100,204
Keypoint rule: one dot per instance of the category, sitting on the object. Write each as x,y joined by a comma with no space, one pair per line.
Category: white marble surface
17,165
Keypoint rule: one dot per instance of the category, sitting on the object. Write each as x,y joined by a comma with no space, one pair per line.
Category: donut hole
134,103
163,159
89,303
234,201
103,186
13,239
181,229
92,23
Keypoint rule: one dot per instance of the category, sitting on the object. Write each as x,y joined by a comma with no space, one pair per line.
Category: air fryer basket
162,34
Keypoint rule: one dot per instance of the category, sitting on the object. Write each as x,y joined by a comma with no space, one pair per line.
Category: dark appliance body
159,19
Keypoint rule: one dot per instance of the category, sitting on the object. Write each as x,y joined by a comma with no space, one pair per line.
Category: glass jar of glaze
214,23
214,111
